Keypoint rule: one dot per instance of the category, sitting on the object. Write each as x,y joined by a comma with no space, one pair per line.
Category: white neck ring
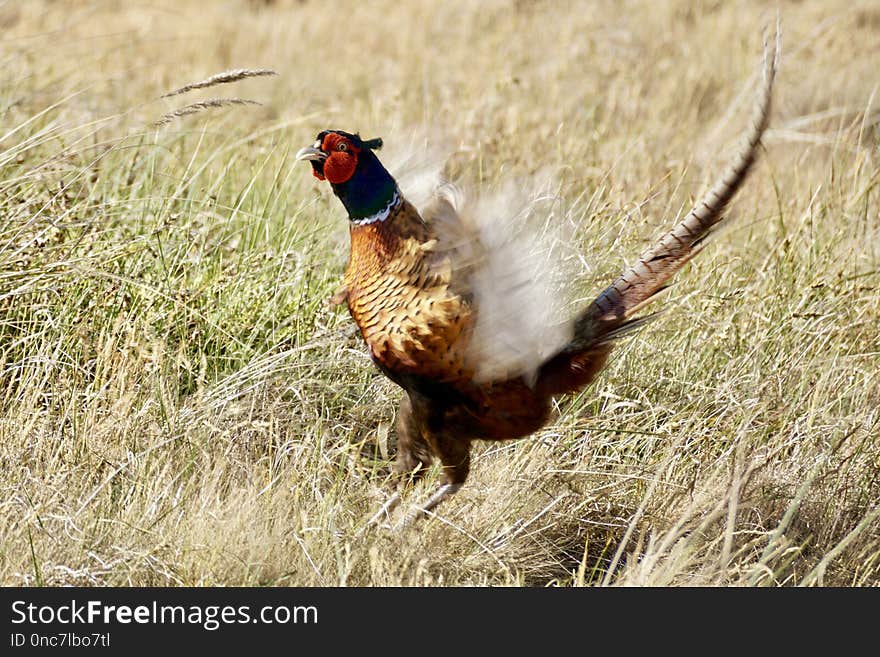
382,214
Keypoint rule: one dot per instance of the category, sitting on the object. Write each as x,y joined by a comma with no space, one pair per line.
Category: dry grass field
180,406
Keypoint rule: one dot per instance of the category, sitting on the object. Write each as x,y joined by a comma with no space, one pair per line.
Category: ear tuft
373,144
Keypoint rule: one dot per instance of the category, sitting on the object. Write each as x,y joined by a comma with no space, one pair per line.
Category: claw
446,490
384,511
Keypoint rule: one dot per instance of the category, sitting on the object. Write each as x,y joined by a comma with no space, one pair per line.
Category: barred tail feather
610,314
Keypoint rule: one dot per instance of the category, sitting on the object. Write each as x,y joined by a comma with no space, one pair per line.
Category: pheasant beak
315,156
311,153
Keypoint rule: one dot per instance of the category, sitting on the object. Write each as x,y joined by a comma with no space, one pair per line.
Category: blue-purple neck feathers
370,191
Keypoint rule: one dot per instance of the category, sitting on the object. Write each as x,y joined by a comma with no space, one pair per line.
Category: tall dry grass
180,406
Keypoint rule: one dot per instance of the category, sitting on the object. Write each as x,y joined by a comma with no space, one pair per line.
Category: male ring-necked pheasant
417,312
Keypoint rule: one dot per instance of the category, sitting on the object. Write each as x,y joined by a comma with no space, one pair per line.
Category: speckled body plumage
400,296
416,316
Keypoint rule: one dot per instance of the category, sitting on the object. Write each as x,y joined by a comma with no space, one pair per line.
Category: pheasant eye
342,146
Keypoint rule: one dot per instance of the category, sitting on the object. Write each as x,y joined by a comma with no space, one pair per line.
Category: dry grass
179,405
200,106
225,77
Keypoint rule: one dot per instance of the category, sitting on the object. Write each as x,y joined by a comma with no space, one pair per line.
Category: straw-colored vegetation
179,405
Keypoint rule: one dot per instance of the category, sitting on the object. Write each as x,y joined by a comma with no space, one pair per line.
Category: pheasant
417,312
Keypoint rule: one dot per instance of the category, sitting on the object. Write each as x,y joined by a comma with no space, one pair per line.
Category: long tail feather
610,315
659,263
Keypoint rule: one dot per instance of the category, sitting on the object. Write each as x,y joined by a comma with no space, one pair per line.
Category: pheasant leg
446,490
385,510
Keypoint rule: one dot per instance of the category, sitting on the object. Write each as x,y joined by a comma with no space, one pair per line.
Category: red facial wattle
342,159
357,177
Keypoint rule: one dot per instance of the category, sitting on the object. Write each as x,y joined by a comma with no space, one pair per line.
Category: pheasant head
356,175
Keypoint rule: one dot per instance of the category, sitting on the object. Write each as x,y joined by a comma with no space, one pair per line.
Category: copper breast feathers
401,295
